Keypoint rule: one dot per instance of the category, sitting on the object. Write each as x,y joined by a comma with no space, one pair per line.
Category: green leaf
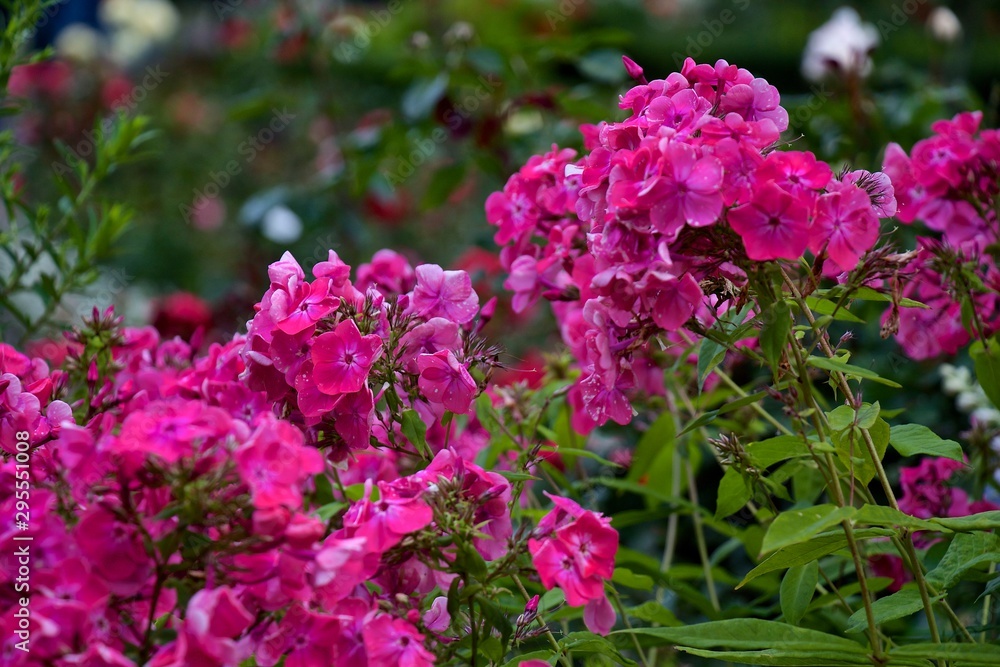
734,492
845,416
797,587
827,307
868,294
774,334
966,551
587,454
710,355
963,654
913,439
514,476
986,361
326,512
657,439
654,612
415,431
900,604
788,657
496,618
768,452
709,417
963,524
627,577
588,642
814,549
421,97
795,526
750,634
879,515
853,452
856,372
990,589
544,656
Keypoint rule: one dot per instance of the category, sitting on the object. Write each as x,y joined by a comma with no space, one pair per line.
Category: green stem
841,381
699,534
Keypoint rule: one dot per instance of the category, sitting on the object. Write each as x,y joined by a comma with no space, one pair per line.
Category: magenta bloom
576,551
399,510
444,380
671,300
275,464
773,226
689,189
447,294
315,304
393,642
115,551
343,357
845,223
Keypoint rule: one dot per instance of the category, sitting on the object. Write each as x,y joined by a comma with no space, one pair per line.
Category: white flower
955,379
78,41
839,46
281,225
944,25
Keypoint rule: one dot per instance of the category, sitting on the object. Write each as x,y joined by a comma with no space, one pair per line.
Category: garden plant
704,465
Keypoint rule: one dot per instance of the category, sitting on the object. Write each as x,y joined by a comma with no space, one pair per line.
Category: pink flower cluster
292,495
951,183
329,350
637,237
575,549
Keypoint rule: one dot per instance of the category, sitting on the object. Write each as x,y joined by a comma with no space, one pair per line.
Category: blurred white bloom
281,225
986,415
944,25
955,379
138,25
840,45
79,41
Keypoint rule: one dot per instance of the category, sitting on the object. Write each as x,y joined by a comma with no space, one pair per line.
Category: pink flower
444,380
383,523
315,304
672,300
773,225
447,294
275,464
343,357
393,642
844,224
305,637
688,189
926,493
215,619
353,418
599,616
115,550
575,550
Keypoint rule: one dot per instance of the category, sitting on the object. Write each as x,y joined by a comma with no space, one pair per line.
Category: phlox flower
343,357
774,225
394,642
441,293
445,381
